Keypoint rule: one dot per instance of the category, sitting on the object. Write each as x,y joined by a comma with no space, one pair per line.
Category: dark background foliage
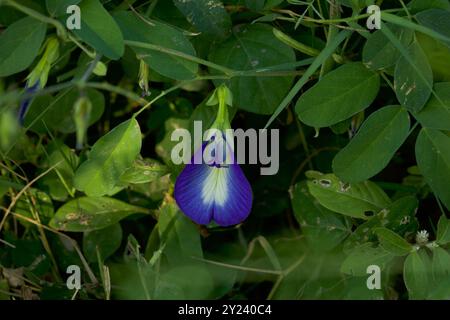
364,120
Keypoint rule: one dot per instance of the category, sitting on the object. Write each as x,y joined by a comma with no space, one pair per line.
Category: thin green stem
109,87
81,46
180,54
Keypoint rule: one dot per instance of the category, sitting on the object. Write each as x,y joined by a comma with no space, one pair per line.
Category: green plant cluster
87,178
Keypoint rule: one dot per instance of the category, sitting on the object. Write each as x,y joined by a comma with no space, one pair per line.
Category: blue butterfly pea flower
214,191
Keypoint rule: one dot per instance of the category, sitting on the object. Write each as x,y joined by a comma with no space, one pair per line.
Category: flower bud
81,116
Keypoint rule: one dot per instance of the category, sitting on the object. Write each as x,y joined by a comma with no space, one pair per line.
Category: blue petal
239,202
213,192
188,191
25,103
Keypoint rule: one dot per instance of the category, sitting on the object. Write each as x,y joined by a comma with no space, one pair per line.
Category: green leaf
440,266
420,5
437,20
106,240
182,277
58,8
19,45
164,148
35,114
208,16
143,171
415,275
110,156
351,199
340,94
322,228
179,235
161,35
364,256
443,231
413,78
379,53
438,56
399,217
58,113
58,181
99,30
374,145
315,65
436,113
40,201
392,242
87,214
433,159
253,47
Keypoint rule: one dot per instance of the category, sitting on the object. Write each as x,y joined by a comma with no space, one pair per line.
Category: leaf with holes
351,199
87,214
323,229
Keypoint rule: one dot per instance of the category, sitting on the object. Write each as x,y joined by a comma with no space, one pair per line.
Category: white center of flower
215,188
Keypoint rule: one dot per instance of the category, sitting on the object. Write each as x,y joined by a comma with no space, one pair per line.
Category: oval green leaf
323,228
57,113
339,95
416,276
364,256
437,20
443,231
58,8
433,159
99,30
438,56
143,171
207,16
19,45
392,242
351,199
106,240
413,78
379,53
161,35
110,156
373,146
254,47
436,113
